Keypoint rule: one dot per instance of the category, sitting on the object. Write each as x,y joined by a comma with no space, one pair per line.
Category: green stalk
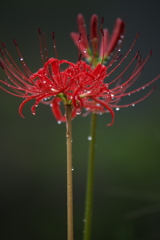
90,179
69,172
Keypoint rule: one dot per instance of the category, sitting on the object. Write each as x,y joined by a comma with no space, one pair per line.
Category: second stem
90,179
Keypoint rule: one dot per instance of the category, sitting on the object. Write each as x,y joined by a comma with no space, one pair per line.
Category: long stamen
40,45
25,67
54,44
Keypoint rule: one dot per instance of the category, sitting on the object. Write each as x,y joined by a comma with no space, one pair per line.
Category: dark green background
32,150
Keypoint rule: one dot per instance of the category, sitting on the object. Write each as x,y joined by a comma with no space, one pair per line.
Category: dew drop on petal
72,168
84,51
89,138
117,108
119,41
112,96
133,105
59,122
78,111
21,59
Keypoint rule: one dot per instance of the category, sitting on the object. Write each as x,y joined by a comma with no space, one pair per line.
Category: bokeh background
32,150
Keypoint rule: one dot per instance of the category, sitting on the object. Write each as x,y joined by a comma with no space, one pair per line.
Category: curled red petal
108,108
22,105
55,106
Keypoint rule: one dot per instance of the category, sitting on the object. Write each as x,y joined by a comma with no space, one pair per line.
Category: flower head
79,84
51,84
100,48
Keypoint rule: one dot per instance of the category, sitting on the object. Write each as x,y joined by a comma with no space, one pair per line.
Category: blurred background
32,150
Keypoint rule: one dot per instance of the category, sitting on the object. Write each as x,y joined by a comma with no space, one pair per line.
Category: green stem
69,172
90,178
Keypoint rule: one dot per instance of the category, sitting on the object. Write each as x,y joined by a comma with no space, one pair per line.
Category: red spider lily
78,85
50,84
107,43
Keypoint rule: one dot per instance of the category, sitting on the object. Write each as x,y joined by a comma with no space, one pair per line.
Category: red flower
107,43
78,85
51,85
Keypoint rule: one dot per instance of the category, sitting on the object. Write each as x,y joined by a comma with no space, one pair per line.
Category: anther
80,57
39,31
137,55
1,51
2,65
3,45
151,52
53,35
15,43
102,32
80,35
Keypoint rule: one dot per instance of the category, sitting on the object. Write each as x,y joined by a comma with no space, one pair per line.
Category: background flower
98,45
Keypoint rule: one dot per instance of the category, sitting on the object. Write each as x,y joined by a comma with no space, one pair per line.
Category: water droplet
89,138
78,111
119,50
117,108
84,220
72,168
34,113
84,51
112,96
59,122
143,88
129,94
21,59
133,105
